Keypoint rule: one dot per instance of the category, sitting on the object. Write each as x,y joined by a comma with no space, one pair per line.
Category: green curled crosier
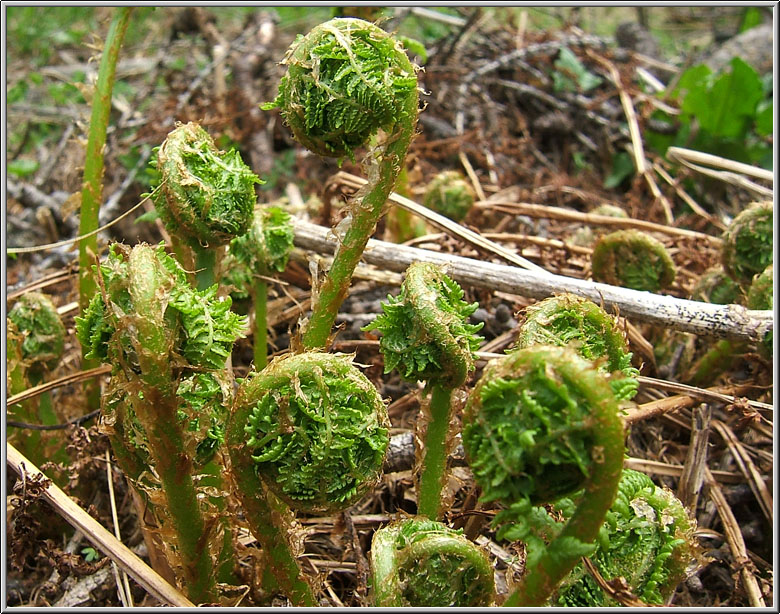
632,259
43,333
759,296
426,337
313,428
718,288
568,319
748,244
647,539
449,194
540,424
419,562
349,82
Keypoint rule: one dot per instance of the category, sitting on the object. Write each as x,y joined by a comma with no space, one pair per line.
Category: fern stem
261,323
205,266
434,462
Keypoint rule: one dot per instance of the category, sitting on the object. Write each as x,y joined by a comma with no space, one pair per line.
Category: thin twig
71,378
98,535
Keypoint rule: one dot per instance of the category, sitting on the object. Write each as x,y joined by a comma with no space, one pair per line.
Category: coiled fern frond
313,428
632,259
748,244
418,562
345,80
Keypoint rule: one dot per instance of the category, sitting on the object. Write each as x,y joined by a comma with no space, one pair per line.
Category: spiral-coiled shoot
748,246
313,428
540,424
716,287
260,253
43,333
346,81
166,402
568,319
760,296
418,562
450,194
205,197
632,259
647,539
426,337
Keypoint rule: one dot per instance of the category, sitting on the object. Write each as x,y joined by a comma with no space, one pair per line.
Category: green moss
317,430
418,562
449,194
748,246
632,259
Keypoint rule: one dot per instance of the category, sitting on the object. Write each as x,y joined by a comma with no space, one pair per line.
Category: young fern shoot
166,402
419,562
313,430
540,424
426,337
632,259
346,81
205,198
260,253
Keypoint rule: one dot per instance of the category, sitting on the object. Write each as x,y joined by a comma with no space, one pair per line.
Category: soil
492,111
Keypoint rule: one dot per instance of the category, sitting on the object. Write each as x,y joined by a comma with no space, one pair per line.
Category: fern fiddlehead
419,562
205,197
759,296
540,424
748,245
260,253
568,319
346,80
449,194
647,539
426,337
632,259
312,429
168,393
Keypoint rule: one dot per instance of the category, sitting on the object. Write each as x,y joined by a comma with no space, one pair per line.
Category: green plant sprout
540,424
450,194
426,337
748,246
587,235
419,562
346,80
167,399
760,297
632,259
718,288
646,539
567,319
36,343
206,198
258,254
313,430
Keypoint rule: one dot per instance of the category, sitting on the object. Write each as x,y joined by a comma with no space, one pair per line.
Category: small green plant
646,539
206,198
258,254
346,81
450,194
568,319
540,424
167,399
419,562
718,288
632,259
313,430
760,297
426,337
748,246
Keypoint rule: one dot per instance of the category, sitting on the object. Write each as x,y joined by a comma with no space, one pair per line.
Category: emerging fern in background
418,562
647,539
632,259
449,194
748,245
348,82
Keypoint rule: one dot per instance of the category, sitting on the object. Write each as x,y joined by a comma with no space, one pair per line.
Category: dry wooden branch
684,315
125,558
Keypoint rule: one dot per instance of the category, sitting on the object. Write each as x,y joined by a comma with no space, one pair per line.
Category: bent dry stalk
540,424
346,80
419,562
426,337
166,403
313,430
